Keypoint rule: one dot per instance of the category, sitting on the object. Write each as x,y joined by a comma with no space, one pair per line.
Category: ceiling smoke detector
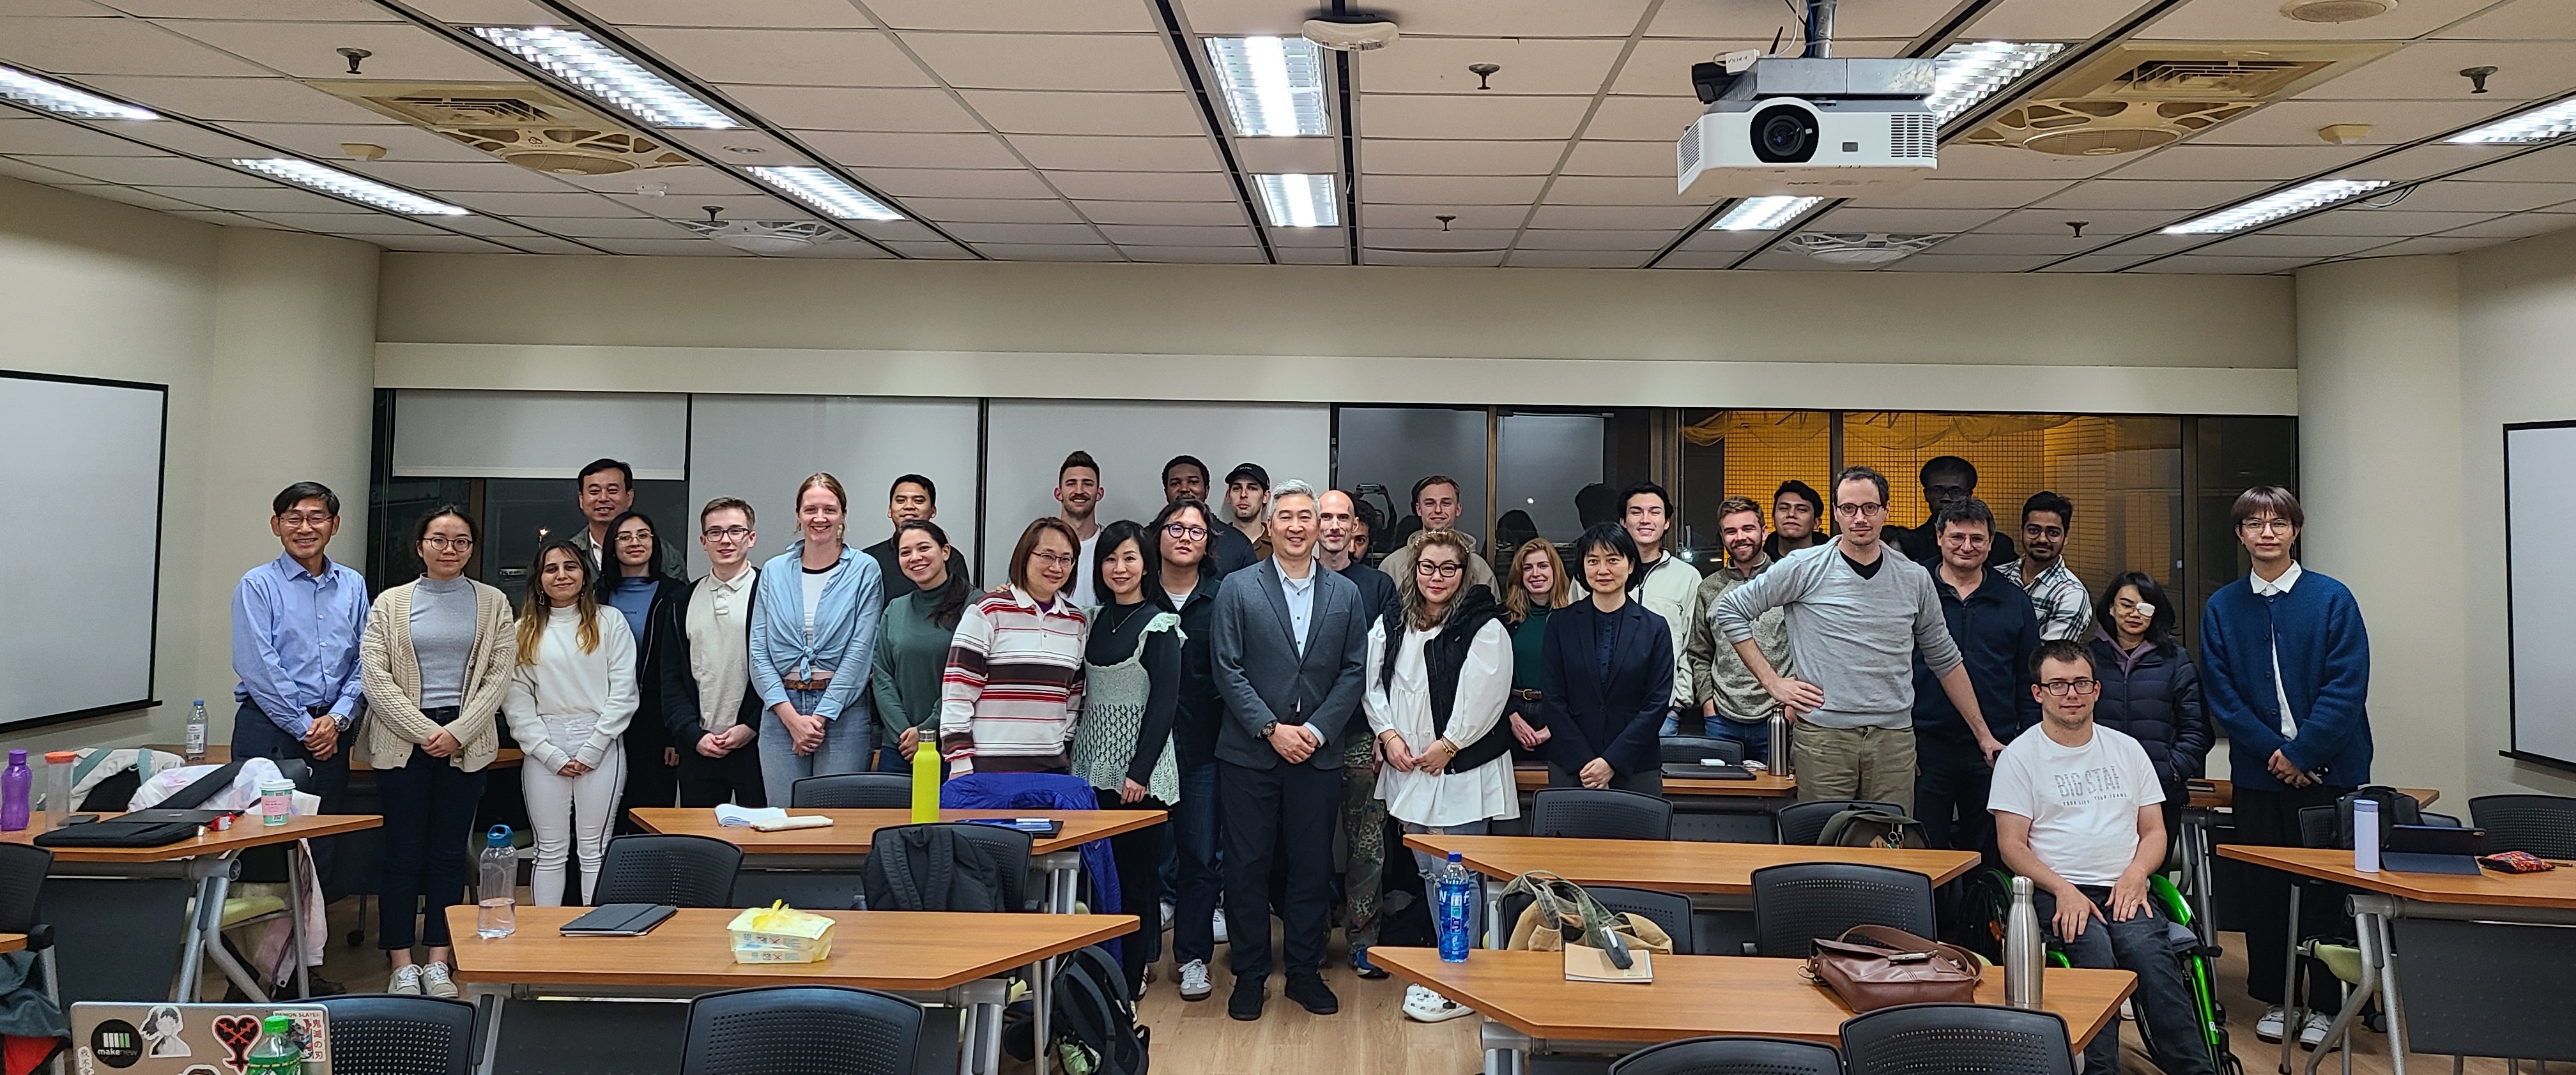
2336,10
765,236
1862,248
1351,31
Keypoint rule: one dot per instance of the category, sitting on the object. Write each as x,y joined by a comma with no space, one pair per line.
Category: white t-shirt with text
2082,802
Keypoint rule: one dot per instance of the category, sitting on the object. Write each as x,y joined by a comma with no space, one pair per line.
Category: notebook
1034,826
187,1039
619,920
1584,963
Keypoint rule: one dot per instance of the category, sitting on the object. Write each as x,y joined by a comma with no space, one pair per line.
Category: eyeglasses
1859,511
1056,558
727,533
1185,530
2266,526
2059,688
297,522
456,544
1427,569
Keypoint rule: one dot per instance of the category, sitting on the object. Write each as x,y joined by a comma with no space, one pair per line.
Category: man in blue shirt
296,622
1996,630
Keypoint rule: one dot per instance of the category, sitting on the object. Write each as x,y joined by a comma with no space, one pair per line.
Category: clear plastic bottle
2025,951
195,751
277,1052
1456,910
496,888
17,784
58,786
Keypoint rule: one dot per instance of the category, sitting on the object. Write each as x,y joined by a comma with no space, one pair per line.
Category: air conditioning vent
1861,248
1914,135
526,125
1688,148
765,236
2143,95
2232,80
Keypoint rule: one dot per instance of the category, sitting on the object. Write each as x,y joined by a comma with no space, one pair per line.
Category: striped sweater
1013,687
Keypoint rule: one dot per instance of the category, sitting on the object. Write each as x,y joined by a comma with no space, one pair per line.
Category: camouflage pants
1364,828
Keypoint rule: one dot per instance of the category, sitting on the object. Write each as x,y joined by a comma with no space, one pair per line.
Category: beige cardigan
390,675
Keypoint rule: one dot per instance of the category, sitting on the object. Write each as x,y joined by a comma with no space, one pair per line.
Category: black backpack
1094,1023
930,868
2395,808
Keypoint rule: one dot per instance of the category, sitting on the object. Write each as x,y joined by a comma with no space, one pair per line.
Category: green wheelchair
2199,968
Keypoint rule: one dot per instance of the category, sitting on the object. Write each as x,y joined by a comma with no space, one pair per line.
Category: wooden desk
1762,786
946,957
2222,793
222,754
1672,865
851,830
2527,899
13,942
246,833
1691,996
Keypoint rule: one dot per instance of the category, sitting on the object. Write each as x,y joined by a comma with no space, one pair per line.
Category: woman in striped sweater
1014,682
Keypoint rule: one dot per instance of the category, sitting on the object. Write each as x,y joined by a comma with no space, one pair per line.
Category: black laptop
2432,849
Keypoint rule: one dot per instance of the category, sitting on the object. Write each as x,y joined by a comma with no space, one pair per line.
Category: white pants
569,813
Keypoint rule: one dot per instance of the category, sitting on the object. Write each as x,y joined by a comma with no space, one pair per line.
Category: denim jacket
845,629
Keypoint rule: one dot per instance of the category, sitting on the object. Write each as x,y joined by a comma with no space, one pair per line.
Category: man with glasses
707,700
1435,502
2076,811
606,489
2285,670
910,497
296,623
1991,622
1856,618
1342,540
2056,595
1945,478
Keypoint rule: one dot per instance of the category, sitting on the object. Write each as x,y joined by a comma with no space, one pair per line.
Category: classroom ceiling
1094,130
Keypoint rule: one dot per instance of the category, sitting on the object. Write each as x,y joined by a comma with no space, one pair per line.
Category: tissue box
780,934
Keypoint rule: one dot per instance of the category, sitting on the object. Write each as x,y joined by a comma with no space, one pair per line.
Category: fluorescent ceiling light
821,189
1299,201
1273,85
598,70
1765,213
304,173
63,100
2542,124
2271,207
1971,71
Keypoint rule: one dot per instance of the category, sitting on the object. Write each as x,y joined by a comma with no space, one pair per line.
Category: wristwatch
1266,729
343,720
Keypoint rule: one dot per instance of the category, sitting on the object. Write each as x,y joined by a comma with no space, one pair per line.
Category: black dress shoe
1310,993
1245,1004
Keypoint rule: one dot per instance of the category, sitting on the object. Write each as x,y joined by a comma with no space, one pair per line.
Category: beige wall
263,339
1538,336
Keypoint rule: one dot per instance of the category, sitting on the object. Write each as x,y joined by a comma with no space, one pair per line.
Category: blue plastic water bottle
1456,910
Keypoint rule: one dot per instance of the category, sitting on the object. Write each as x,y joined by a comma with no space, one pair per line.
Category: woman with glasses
1607,670
435,662
1438,674
571,699
1131,682
912,646
1014,681
1537,587
1183,583
813,627
642,588
2150,689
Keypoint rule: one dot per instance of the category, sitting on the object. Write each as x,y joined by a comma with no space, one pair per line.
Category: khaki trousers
1873,764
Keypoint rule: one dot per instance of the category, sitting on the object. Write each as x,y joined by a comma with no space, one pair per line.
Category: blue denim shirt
295,641
845,629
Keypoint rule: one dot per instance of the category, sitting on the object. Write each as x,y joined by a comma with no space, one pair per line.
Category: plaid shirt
2064,609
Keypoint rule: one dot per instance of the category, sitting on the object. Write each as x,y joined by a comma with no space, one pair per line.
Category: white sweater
570,705
1404,707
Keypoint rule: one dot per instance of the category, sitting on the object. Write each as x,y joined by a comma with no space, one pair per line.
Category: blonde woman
570,701
1538,586
435,662
813,631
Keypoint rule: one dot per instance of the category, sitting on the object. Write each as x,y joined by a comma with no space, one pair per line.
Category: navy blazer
1619,720
1263,676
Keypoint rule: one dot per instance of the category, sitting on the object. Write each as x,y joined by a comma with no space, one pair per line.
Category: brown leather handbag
1874,967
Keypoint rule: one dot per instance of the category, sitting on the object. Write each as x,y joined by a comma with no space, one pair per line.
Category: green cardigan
903,674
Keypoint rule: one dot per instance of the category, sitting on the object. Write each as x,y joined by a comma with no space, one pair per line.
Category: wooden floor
1372,1035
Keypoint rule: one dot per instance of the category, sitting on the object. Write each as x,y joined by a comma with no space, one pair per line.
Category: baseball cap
1251,471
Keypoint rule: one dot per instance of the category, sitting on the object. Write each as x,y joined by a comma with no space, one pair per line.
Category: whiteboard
80,464
758,448
2539,514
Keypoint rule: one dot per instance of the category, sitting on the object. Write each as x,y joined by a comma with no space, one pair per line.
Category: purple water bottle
15,785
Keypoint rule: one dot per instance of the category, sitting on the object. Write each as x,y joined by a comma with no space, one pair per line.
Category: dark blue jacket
2325,666
1617,720
2158,704
1996,630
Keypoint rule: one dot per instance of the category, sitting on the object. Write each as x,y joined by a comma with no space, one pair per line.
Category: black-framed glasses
1186,531
2060,688
1428,569
297,520
453,544
1859,511
1056,558
2259,526
726,533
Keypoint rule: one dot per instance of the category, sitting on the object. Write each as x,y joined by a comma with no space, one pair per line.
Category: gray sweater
442,638
1855,637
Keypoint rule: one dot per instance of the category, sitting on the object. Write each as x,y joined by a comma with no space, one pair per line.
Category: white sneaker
1220,928
1168,912
2315,1034
2269,1026
435,982
1194,980
1425,1006
406,980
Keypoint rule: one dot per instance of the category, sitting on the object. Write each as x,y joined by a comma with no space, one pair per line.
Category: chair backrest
1669,910
1008,850
1731,1056
1600,814
381,1034
1690,749
2317,826
1943,1039
802,1030
851,791
22,884
1796,904
683,871
2544,825
1801,823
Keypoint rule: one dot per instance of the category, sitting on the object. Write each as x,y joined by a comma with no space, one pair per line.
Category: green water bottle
926,764
277,1053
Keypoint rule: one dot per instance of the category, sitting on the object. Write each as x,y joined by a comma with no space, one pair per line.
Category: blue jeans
1200,881
846,744
2144,945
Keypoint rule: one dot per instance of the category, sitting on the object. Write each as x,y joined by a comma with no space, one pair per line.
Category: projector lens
1784,134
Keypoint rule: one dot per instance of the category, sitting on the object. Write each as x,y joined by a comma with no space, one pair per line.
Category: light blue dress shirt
1301,603
295,641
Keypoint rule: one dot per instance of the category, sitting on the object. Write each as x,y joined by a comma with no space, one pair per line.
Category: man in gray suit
1290,639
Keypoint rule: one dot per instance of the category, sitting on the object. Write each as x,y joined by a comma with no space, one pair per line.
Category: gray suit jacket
1262,677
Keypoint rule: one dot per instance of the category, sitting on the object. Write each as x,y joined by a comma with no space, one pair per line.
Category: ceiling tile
1291,255
1758,19
1027,16
1143,186
1195,255
893,231
2152,194
931,251
1527,258
187,139
1409,156
1944,262
1434,239
2434,244
294,10
553,205
309,50
956,183
486,12
1049,252
138,196
1998,162
38,134
1519,18
994,210
980,234
852,251
1967,194
1426,218
2494,197
1300,238
787,14
2048,20
1614,190
2517,226
37,173
1048,61
606,227
1851,218
111,46
2099,223
2224,266
1529,66
2266,245
2239,162
1111,153
2095,263
728,206
1462,189
439,244
669,247
1594,157
489,175
540,244
153,171
2555,165
264,199
841,108
1398,257
907,150
322,141
1151,235
1026,112
2295,123
2233,21
259,100
2525,70
2402,221
1643,119
1698,259
787,57
1993,243
2432,158
1173,212
1665,217
1783,259
1595,239
2519,20
1489,116
648,184
361,223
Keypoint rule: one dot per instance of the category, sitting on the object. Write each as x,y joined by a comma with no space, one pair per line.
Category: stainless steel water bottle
2025,950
